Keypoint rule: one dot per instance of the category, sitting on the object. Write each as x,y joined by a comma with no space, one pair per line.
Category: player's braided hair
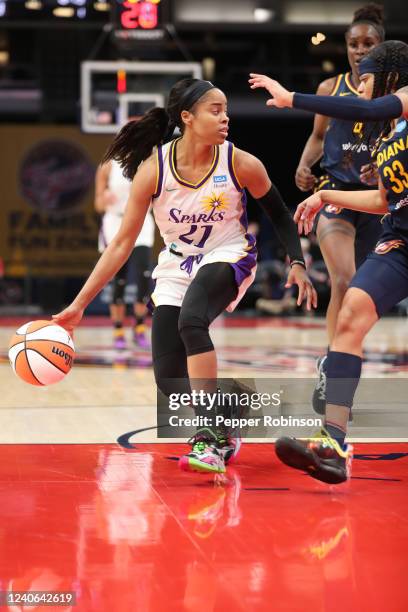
391,58
372,14
136,140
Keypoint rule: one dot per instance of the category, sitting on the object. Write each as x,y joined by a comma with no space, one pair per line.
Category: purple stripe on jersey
231,167
244,217
251,248
160,177
172,154
150,305
243,267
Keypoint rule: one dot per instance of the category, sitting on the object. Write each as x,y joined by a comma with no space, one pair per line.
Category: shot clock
138,16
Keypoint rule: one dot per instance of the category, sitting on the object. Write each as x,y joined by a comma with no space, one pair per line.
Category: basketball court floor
91,505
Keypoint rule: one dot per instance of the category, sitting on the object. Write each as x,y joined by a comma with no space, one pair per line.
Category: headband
192,94
370,66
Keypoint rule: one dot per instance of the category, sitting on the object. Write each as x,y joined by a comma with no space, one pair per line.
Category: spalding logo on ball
41,352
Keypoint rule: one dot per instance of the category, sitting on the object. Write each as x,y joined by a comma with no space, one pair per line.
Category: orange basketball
41,352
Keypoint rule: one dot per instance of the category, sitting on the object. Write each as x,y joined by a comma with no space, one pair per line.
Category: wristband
299,262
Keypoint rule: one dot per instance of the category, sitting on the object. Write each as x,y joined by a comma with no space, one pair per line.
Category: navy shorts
384,274
367,226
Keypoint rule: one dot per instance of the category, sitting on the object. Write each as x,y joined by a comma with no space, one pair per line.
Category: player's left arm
252,174
349,108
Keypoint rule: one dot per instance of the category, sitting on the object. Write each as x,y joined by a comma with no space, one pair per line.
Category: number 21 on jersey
193,229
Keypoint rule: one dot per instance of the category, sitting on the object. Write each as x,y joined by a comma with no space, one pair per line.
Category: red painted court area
127,531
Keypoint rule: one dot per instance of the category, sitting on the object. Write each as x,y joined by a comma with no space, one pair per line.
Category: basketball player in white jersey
196,187
112,191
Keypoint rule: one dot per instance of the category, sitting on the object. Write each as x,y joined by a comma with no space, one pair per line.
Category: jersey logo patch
221,178
386,247
401,126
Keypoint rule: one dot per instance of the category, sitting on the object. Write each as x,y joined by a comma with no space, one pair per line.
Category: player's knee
350,321
194,332
340,283
118,291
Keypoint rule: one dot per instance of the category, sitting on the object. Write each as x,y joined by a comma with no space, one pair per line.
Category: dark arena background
95,513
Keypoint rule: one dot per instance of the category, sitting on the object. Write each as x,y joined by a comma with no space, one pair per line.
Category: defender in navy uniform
382,280
345,237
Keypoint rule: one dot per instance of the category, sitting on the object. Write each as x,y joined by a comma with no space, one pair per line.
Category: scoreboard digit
139,14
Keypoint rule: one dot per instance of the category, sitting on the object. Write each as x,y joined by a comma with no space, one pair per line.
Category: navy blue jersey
392,161
344,150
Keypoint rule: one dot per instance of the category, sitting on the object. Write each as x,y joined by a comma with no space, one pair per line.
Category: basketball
41,352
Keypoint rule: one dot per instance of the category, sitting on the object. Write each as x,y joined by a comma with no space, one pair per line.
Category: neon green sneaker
205,454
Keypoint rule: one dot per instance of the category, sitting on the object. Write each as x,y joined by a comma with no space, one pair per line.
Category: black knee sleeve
140,265
196,339
193,322
143,285
119,285
169,356
208,295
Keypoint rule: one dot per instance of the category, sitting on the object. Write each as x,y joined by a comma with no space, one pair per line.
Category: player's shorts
174,273
367,226
384,274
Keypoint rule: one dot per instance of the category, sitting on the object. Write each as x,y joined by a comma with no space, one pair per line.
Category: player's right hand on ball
69,318
306,212
305,180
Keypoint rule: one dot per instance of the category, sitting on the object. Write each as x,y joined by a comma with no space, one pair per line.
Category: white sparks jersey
119,186
198,218
112,218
